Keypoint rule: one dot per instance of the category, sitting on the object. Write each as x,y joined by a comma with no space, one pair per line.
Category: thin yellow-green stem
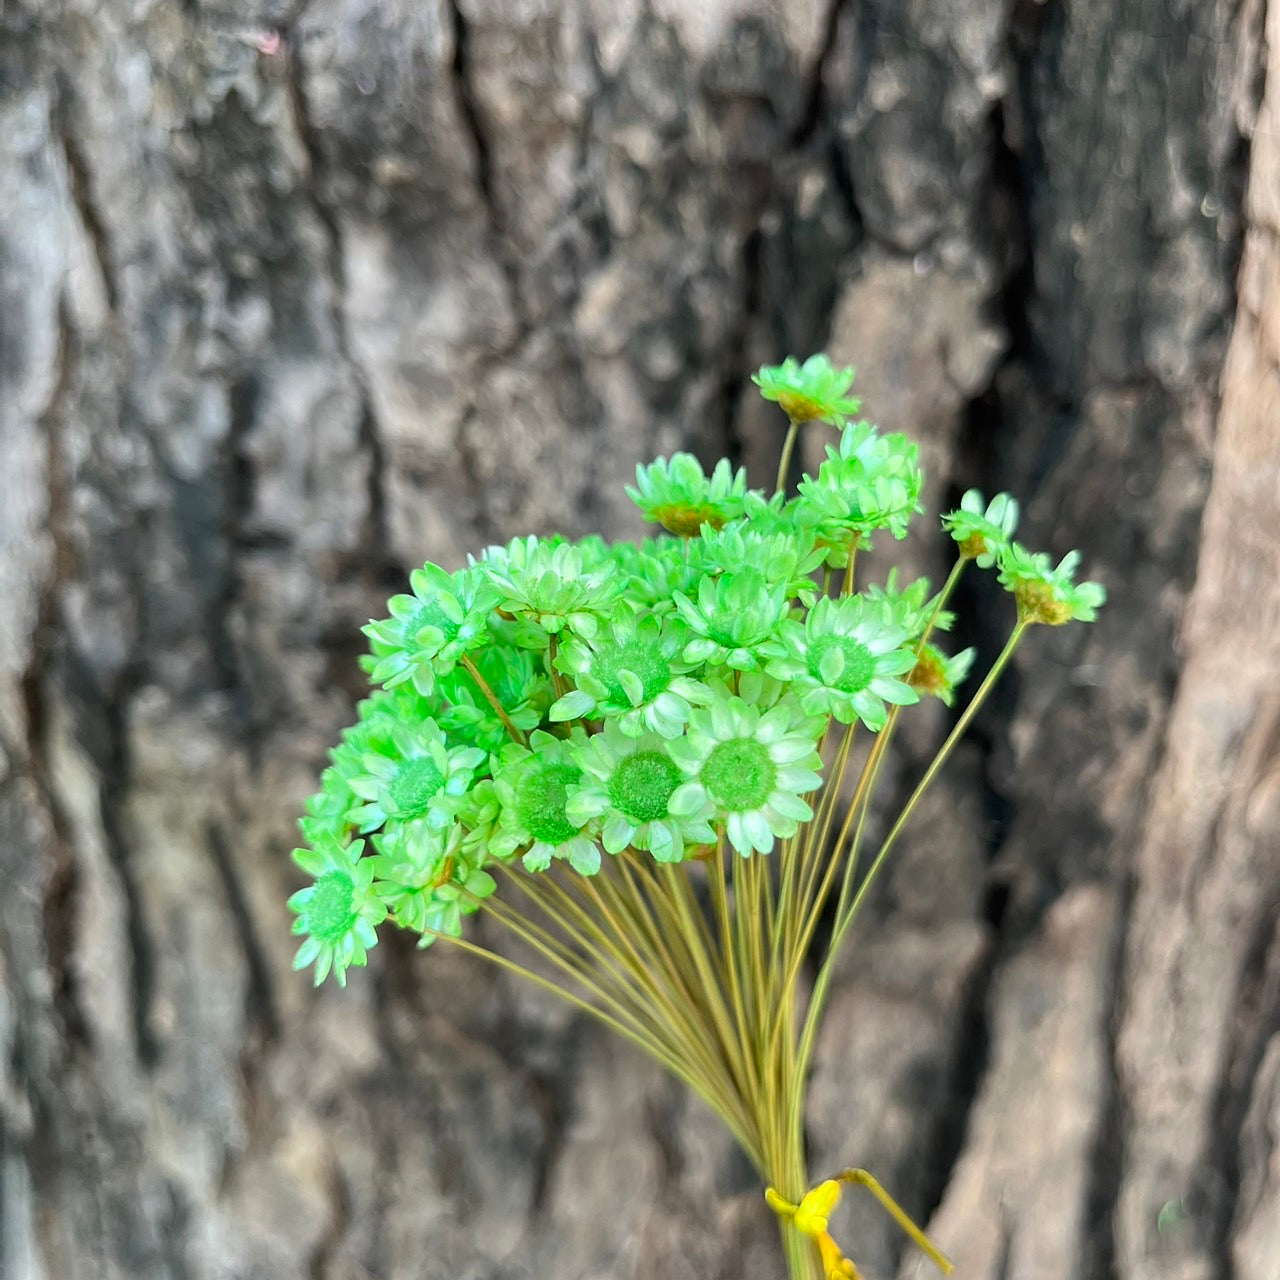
844,922
784,463
493,700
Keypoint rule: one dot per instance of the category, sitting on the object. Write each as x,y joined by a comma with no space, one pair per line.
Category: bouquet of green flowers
633,758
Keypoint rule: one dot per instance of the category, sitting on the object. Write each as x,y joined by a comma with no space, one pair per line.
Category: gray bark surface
294,296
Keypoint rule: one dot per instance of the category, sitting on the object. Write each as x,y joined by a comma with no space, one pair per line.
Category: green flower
628,782
786,555
813,391
415,775
533,789
431,629
733,616
869,482
427,880
1045,594
982,532
677,494
518,682
547,586
938,675
750,766
844,661
910,607
632,673
338,912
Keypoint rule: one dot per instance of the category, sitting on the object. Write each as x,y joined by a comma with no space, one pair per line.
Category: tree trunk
298,295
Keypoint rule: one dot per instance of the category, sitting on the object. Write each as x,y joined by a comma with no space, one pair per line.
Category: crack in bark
472,116
114,786
62,892
260,997
376,538
80,188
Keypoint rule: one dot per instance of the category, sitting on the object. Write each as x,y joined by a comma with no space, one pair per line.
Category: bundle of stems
699,963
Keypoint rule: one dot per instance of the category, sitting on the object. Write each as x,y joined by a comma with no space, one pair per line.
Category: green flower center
430,615
414,786
540,802
739,775
331,911
642,785
859,663
645,661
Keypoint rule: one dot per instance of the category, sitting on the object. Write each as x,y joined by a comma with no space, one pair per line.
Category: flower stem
788,447
492,698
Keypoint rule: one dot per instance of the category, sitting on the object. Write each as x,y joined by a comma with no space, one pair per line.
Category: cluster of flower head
560,701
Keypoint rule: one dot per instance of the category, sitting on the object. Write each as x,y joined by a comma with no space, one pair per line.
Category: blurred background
294,296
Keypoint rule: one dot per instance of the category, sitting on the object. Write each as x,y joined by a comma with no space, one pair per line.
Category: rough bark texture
294,296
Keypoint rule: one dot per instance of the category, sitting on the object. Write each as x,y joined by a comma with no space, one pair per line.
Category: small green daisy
1045,594
869,482
844,661
750,767
431,629
415,775
815,391
786,556
910,607
547,585
533,789
733,616
628,782
427,879
982,531
339,912
676,493
520,684
631,672
937,675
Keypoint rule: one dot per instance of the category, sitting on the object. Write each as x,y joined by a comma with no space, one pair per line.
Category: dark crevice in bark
321,1265
737,359
62,888
812,117
472,116
115,774
1107,1158
79,183
260,996
1256,1023
377,557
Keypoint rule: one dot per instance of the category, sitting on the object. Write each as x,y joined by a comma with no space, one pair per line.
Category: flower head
813,391
338,912
1045,594
533,790
413,775
869,482
431,629
911,607
938,675
549,586
676,493
785,554
982,532
629,782
844,661
732,617
517,680
632,671
750,766
428,879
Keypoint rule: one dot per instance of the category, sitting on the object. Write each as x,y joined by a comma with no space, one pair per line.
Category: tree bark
297,295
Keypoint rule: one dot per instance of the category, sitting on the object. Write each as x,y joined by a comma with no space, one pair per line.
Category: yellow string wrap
810,1216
